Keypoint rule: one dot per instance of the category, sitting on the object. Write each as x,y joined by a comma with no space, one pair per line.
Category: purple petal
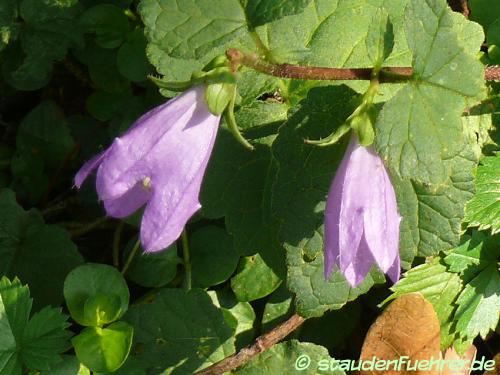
88,168
356,194
332,215
394,272
126,161
128,203
381,218
181,157
362,262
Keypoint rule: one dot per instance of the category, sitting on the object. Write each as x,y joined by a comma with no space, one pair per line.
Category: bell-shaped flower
160,161
361,217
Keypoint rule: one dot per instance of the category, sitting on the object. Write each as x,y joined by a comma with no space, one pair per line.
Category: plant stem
314,73
84,229
116,243
187,260
131,256
386,74
261,344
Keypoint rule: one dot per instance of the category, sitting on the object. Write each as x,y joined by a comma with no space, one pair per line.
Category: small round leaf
96,294
104,349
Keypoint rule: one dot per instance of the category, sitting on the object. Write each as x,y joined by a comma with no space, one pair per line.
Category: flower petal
128,203
88,168
332,215
126,162
180,160
356,193
394,272
381,219
362,262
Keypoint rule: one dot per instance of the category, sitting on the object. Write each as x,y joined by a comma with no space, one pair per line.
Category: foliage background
74,76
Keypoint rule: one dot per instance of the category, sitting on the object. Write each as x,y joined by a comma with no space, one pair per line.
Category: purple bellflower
361,217
160,161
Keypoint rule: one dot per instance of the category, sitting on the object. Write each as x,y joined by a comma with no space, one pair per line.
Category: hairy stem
386,74
261,344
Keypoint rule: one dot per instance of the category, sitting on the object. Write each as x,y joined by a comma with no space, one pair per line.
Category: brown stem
386,75
261,344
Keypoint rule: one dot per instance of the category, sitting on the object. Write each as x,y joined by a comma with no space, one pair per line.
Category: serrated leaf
290,357
167,340
420,128
191,29
438,286
432,214
479,305
483,210
473,255
260,12
40,255
34,343
380,38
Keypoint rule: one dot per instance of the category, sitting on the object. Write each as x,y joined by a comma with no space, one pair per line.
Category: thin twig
386,75
131,256
187,259
260,345
84,229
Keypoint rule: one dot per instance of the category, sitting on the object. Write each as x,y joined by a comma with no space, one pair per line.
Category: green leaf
192,29
278,308
432,214
108,22
131,58
420,128
44,132
484,11
213,257
8,26
49,29
152,270
260,12
439,287
179,332
70,365
239,315
474,254
34,343
40,255
380,38
303,177
250,269
96,294
483,210
479,305
104,349
234,186
290,357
